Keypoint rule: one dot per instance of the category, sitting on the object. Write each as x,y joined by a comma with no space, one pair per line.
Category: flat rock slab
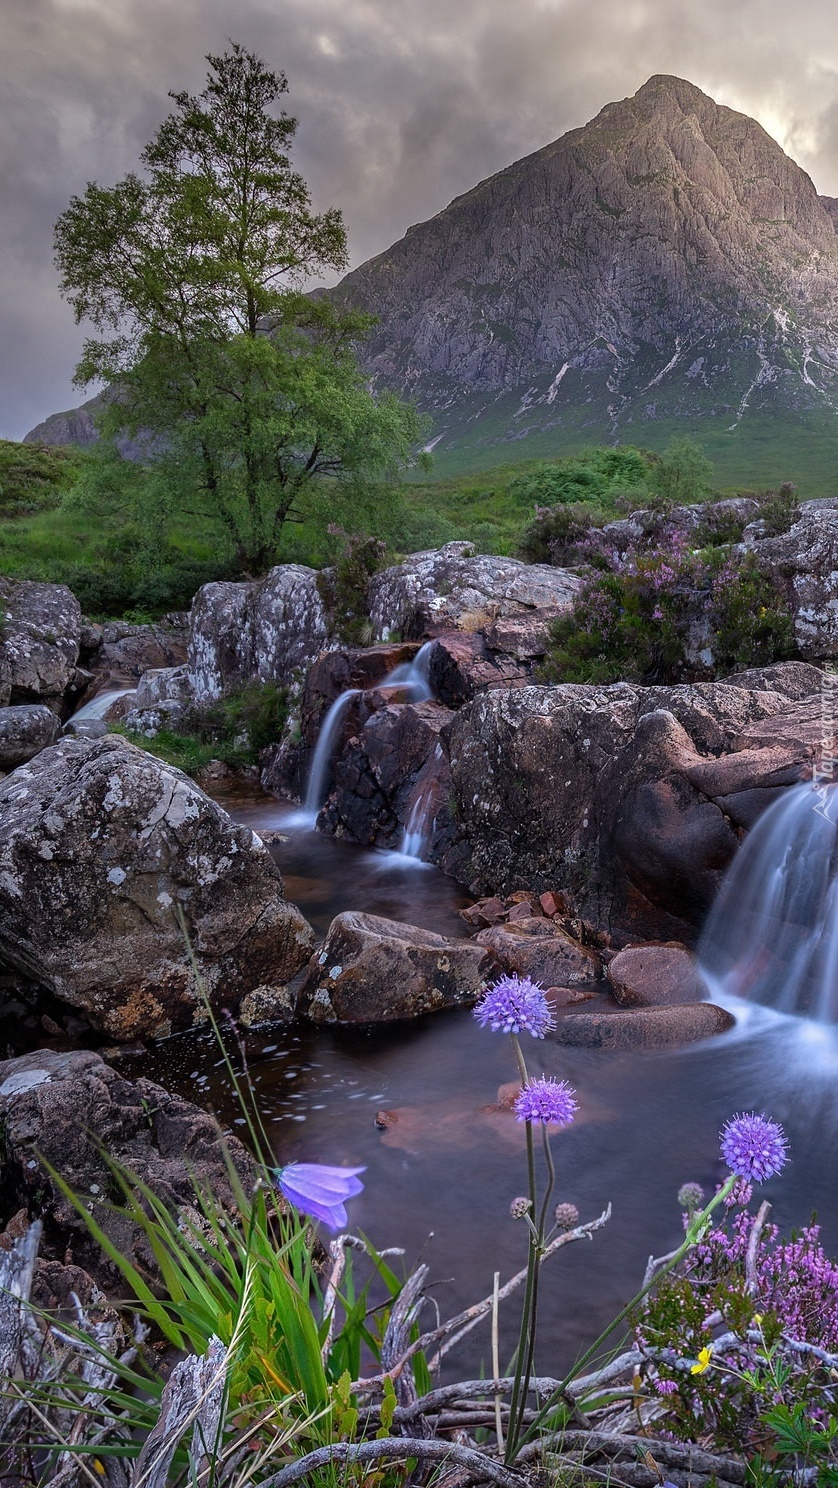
103,850
65,1110
537,948
655,975
644,1028
374,970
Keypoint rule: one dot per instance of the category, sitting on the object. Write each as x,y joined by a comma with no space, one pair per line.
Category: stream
444,1162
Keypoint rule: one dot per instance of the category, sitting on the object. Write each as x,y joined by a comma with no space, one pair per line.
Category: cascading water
99,705
410,676
772,934
422,814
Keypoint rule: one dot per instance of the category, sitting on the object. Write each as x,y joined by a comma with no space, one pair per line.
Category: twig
393,1448
496,1361
753,1246
671,1454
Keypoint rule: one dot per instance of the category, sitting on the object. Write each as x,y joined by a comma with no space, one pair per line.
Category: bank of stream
418,1104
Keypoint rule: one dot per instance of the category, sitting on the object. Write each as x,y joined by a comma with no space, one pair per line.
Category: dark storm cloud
402,105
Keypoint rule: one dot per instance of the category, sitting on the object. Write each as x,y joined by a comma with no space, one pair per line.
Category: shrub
780,509
597,475
554,533
233,730
34,477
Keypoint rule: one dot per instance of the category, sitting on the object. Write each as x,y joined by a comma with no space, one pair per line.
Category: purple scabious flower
515,1005
319,1191
547,1101
754,1147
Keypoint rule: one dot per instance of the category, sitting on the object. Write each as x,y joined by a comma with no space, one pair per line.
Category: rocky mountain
665,261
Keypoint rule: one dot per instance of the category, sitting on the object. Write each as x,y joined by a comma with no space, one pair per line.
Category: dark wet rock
39,642
454,588
384,769
269,630
24,731
67,1111
655,975
537,948
101,847
462,664
644,1028
126,651
374,970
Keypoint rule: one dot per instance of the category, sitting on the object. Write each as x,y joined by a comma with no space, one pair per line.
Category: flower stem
518,1398
695,1230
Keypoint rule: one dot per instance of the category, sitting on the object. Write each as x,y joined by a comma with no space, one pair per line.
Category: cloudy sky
402,104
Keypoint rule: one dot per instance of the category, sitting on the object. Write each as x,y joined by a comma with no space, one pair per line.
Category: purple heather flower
547,1101
754,1147
515,1005
666,1387
319,1191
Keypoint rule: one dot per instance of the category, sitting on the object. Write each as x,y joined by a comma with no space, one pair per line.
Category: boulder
163,685
537,948
374,970
792,679
24,731
389,762
454,588
643,1028
655,975
102,849
270,630
40,633
70,1112
462,664
126,651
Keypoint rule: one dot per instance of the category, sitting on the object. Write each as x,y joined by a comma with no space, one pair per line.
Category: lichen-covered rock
69,1112
102,848
25,731
632,799
374,970
535,947
40,632
266,631
162,685
453,588
803,563
126,651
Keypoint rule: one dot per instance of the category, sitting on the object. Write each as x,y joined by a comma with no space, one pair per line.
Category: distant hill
665,265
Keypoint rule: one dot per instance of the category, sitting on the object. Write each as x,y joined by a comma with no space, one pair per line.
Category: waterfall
422,812
772,934
411,676
99,705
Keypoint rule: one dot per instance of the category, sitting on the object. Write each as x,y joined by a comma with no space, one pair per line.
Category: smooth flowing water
444,1161
772,934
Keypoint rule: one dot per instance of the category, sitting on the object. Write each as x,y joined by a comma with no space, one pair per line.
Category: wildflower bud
519,1208
566,1216
691,1196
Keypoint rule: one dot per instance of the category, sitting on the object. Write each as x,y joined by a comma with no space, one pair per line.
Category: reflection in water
442,1159
772,935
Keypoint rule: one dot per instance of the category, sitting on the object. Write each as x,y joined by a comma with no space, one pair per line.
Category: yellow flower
703,1361
757,1319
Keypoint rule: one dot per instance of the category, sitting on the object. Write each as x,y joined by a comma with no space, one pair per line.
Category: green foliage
250,390
598,475
639,624
682,474
345,590
233,730
779,509
34,477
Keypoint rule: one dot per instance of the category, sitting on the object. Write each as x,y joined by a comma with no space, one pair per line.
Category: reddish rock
644,1028
462,665
539,949
554,904
336,672
523,909
484,913
655,975
373,970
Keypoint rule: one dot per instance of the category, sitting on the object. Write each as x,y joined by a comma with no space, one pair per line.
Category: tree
191,274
